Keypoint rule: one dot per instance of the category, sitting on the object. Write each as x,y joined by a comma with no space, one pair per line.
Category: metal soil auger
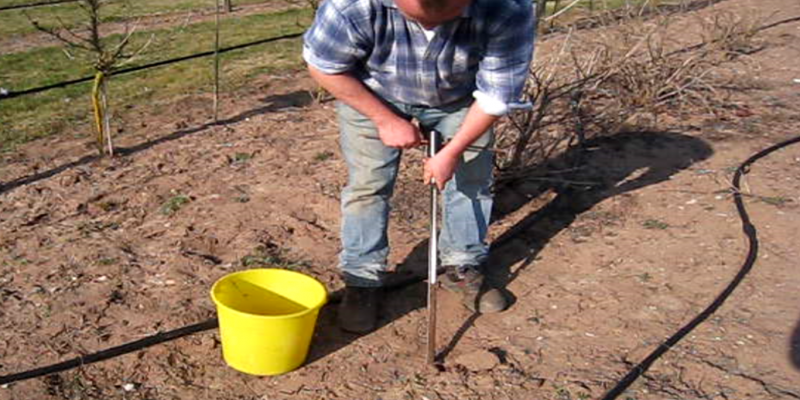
433,144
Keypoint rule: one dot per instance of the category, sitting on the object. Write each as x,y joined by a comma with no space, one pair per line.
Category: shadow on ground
794,346
277,102
609,166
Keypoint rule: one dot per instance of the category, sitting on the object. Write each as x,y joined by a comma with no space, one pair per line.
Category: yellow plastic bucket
267,318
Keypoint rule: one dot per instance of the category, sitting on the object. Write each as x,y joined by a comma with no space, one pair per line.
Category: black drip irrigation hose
153,340
612,394
8,94
39,4
752,237
11,94
112,352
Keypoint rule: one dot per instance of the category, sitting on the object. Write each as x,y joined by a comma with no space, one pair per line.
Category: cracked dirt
101,252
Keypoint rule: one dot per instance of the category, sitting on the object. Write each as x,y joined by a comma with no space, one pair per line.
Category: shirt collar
464,14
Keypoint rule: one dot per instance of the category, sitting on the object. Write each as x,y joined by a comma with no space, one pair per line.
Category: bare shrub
600,80
732,35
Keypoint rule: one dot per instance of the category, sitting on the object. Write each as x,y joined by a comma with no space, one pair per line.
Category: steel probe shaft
432,257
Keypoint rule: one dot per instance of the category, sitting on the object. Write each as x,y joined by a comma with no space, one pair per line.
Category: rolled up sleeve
333,43
505,65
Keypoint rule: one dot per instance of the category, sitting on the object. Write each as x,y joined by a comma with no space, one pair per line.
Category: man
452,65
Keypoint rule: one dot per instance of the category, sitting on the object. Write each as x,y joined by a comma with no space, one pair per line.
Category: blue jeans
372,171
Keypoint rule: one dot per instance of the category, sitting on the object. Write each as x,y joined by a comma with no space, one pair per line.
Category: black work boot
358,312
476,293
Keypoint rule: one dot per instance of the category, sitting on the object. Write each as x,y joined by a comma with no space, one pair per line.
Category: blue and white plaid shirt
487,49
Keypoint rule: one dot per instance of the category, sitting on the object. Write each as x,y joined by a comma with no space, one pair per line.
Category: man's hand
399,133
440,168
393,130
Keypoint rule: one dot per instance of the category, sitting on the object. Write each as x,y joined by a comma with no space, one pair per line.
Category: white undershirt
429,33
488,104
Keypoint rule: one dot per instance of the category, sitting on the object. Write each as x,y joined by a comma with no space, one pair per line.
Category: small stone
480,360
290,385
637,354
69,180
129,387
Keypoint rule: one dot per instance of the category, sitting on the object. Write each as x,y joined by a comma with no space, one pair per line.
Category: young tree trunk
556,5
102,118
216,61
228,6
541,10
99,118
106,116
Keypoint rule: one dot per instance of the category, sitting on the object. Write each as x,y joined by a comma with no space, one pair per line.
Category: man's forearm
351,91
475,124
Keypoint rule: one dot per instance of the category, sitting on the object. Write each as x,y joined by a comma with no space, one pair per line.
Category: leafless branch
594,83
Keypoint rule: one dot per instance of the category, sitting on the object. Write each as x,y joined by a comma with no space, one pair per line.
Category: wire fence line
228,6
9,94
39,4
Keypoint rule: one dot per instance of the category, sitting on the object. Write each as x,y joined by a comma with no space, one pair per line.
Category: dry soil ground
100,252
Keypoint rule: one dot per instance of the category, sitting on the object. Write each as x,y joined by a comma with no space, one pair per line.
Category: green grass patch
87,228
271,256
599,5
655,224
174,204
323,155
240,158
34,116
16,23
107,261
775,200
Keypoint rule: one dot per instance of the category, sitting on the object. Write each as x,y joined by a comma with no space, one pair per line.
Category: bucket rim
315,308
